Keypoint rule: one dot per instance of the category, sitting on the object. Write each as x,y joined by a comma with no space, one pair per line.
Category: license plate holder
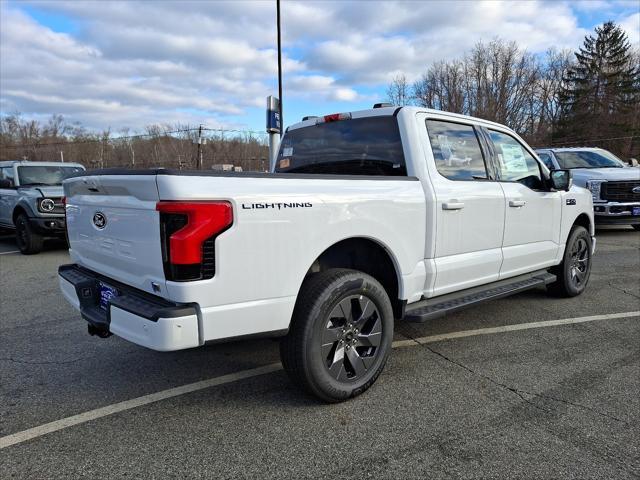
635,211
105,294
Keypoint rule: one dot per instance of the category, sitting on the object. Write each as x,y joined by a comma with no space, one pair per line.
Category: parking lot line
12,251
84,417
512,328
133,403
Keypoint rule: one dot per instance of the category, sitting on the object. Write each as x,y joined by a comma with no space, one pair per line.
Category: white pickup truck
370,216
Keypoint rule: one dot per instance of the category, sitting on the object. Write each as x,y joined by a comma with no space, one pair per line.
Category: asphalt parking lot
523,400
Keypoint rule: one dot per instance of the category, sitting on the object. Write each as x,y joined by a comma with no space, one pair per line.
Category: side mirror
6,183
633,162
561,180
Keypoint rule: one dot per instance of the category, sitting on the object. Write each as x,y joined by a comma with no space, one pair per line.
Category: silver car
614,186
31,200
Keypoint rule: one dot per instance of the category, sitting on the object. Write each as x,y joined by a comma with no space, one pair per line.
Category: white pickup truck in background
370,216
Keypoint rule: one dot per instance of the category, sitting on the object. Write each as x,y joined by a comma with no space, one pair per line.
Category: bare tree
442,87
545,106
496,81
398,91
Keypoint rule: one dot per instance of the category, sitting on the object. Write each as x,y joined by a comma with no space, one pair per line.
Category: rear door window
360,146
456,150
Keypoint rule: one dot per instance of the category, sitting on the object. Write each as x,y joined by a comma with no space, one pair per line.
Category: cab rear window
361,146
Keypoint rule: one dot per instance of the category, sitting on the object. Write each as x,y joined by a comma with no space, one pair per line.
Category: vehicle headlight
47,205
594,187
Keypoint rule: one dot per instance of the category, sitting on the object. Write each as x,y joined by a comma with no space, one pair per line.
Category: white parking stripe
54,426
133,403
12,251
512,328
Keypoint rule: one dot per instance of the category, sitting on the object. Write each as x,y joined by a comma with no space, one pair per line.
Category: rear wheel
636,226
28,241
340,335
574,271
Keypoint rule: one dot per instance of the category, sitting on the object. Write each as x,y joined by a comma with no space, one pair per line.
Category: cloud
631,25
425,32
131,63
313,86
126,75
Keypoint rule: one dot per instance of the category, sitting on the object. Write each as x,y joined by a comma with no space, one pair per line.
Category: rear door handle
517,203
452,206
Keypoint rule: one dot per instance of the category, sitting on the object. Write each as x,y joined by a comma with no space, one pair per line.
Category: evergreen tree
601,98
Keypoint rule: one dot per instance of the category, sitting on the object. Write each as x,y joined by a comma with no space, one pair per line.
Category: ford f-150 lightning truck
370,216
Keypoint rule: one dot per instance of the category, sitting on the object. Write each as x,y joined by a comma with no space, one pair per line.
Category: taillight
334,117
188,231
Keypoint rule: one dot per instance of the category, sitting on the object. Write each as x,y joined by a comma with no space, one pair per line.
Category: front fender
28,205
577,203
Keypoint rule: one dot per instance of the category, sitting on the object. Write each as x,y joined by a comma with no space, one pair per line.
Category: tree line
590,97
169,146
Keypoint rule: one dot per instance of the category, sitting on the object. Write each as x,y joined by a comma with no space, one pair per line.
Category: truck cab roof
395,110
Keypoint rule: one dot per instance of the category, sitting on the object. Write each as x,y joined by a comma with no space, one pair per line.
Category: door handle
517,203
452,206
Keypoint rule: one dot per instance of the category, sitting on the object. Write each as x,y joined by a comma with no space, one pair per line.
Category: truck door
469,207
532,218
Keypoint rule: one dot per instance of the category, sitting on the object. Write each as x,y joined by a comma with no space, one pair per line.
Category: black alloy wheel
572,275
351,338
340,334
579,267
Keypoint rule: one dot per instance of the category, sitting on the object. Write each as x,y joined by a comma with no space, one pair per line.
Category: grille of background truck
620,191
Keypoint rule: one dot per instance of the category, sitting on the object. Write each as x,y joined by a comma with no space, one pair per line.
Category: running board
425,310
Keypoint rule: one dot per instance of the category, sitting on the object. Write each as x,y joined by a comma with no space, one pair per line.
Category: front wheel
29,242
340,335
574,271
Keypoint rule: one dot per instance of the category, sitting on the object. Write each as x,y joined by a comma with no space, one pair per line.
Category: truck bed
281,224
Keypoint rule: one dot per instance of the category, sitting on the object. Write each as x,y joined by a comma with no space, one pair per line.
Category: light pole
279,65
274,105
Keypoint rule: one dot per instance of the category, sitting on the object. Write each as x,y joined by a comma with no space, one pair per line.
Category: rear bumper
134,315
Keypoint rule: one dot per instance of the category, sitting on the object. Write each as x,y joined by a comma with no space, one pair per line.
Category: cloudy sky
130,64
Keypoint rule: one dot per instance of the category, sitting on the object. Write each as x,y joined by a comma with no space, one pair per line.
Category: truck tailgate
114,228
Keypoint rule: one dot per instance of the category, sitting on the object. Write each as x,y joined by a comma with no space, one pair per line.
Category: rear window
361,146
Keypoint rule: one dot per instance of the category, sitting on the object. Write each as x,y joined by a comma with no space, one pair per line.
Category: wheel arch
18,210
369,256
584,221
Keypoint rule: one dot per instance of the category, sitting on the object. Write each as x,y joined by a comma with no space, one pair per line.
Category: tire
574,271
636,226
28,241
340,334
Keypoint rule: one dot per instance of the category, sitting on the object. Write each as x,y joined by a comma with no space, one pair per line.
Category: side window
515,164
7,174
456,150
546,159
